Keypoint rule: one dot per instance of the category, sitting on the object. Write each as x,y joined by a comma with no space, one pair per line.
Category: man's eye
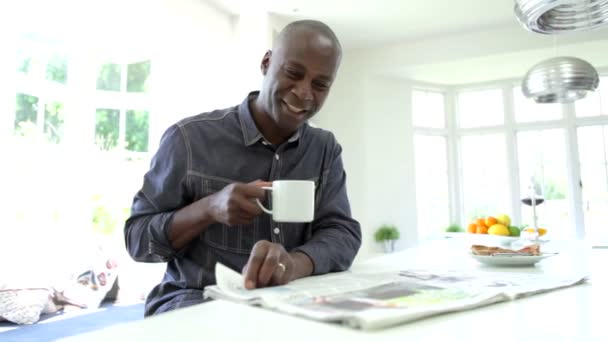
292,73
321,86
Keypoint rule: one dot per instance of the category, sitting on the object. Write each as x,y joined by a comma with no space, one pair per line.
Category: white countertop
573,314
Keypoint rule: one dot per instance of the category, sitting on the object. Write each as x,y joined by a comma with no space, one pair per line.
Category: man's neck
265,124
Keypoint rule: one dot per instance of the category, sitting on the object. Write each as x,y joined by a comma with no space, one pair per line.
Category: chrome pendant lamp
560,79
557,16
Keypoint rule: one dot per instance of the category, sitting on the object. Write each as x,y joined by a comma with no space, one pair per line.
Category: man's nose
303,91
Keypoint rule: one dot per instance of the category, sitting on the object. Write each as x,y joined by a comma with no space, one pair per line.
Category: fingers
267,265
253,189
235,203
257,257
260,183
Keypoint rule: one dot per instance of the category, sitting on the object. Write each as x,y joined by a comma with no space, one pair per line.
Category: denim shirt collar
251,133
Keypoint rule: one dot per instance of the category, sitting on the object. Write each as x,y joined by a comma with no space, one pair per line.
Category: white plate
510,260
489,240
484,239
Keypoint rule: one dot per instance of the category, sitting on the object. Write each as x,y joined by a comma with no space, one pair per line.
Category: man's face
298,76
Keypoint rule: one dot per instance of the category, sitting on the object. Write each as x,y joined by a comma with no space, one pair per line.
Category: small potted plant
387,235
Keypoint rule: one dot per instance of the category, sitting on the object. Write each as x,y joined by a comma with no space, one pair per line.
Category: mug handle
257,200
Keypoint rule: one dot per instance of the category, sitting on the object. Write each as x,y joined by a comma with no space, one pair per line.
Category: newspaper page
377,300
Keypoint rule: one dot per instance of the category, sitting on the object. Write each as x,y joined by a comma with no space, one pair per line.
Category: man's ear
266,62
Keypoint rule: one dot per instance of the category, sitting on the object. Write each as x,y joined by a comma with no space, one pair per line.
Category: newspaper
377,300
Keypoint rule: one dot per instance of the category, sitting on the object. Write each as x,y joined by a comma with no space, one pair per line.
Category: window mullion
122,127
454,171
574,172
512,153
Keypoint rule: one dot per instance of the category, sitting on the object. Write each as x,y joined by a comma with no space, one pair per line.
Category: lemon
499,229
503,219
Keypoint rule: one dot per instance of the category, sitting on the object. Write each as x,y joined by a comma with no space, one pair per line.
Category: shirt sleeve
336,236
164,191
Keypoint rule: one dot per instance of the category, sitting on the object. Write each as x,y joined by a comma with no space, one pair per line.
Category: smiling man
197,208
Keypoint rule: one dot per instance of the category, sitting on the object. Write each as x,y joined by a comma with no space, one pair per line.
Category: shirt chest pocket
238,239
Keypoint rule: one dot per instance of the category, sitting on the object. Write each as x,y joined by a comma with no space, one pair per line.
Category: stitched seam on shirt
188,147
221,179
225,247
205,118
243,129
150,200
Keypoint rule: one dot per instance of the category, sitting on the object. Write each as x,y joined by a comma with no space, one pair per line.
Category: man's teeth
294,109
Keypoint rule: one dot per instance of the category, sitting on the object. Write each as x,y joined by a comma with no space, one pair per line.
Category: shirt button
276,230
276,156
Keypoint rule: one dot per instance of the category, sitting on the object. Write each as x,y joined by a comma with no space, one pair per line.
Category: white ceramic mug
292,200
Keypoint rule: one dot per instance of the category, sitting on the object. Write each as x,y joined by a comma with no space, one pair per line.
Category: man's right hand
235,204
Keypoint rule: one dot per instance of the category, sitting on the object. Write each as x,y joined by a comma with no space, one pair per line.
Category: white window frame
569,123
123,101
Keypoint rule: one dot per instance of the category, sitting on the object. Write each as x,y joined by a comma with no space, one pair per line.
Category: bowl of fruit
498,231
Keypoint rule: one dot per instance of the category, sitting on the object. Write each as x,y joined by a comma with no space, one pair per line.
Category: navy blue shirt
202,154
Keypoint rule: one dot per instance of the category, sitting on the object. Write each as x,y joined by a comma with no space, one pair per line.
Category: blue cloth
64,324
199,156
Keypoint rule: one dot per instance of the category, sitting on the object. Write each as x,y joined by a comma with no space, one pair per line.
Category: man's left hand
269,264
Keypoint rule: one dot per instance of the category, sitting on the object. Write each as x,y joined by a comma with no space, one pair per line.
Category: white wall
369,116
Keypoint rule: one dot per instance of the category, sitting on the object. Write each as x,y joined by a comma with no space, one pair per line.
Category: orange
480,222
472,228
482,230
490,221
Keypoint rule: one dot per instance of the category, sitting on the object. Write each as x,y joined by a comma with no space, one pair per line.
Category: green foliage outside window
551,190
23,65
23,61
26,110
137,77
137,130
109,77
57,69
53,122
107,123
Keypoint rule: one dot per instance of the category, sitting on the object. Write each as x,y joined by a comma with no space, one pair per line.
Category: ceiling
366,23
398,26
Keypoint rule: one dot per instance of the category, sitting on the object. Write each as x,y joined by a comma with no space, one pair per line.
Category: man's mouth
295,109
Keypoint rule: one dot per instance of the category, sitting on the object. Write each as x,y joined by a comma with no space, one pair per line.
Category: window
527,110
26,112
505,147
593,150
542,166
57,69
480,108
428,109
595,103
53,121
432,193
137,130
107,128
125,127
484,175
109,77
39,109
137,77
